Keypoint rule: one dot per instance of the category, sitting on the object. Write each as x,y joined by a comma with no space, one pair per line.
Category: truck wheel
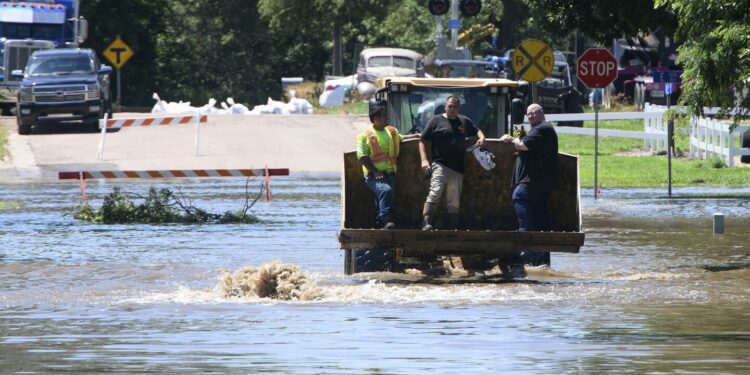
642,97
637,97
745,144
93,126
369,260
572,105
109,110
23,129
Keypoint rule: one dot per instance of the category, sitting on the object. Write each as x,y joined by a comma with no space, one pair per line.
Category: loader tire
369,260
478,263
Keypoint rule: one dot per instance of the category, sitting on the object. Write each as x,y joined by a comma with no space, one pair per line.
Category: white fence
654,134
709,137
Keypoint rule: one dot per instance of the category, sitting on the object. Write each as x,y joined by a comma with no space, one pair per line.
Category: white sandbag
159,106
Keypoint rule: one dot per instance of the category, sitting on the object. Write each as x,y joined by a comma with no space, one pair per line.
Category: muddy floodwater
652,291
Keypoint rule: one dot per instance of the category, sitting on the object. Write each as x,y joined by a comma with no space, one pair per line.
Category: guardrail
119,123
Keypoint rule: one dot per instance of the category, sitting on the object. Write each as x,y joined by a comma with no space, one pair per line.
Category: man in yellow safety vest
377,150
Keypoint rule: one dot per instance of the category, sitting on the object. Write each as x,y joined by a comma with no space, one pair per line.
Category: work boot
389,224
427,223
428,213
452,221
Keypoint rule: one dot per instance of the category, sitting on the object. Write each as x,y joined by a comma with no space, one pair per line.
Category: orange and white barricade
171,173
119,123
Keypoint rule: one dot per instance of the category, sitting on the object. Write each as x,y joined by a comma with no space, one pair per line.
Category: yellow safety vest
382,161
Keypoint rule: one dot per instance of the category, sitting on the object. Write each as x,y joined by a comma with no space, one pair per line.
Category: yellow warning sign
533,60
118,53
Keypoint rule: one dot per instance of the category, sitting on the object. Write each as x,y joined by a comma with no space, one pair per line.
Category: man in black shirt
447,135
534,177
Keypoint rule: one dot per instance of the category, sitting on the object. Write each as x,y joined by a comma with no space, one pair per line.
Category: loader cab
412,102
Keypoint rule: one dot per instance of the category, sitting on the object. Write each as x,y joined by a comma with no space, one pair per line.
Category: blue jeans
533,215
384,192
531,209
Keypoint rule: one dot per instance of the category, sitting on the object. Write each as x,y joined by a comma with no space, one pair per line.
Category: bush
715,162
159,207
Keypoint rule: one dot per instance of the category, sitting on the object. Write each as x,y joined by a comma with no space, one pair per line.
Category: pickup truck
63,85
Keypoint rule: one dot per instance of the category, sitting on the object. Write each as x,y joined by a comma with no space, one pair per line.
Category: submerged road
306,144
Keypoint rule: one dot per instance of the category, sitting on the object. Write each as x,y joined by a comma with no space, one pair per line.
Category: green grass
3,141
618,170
354,107
651,171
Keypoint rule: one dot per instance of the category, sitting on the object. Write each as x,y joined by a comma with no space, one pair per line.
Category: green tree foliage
602,20
213,48
307,23
715,53
196,49
137,22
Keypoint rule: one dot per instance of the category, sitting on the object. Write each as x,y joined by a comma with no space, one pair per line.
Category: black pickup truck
63,85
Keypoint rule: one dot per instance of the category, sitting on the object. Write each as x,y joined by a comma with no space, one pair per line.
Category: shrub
162,206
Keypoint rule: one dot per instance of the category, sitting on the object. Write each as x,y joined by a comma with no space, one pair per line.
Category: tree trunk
337,49
508,24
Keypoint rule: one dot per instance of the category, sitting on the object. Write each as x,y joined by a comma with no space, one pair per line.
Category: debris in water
272,280
164,206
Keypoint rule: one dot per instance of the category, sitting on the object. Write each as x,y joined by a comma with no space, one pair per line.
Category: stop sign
597,68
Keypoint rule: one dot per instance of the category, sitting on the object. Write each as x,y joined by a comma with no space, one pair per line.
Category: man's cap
376,106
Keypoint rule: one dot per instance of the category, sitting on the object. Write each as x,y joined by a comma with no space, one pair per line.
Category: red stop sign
596,68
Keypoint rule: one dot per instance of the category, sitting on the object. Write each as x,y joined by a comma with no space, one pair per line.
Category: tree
602,20
138,22
311,18
715,53
217,48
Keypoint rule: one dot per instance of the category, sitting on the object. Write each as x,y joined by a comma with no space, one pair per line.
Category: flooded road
653,290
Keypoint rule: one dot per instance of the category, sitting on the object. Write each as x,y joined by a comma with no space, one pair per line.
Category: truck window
419,107
47,32
403,62
18,30
394,61
54,65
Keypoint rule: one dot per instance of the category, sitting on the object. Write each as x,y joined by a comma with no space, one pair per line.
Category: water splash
271,280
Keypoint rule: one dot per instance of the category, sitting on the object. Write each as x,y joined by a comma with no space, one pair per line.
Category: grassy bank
623,163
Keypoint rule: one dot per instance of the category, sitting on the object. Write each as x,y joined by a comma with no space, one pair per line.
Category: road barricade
187,173
107,123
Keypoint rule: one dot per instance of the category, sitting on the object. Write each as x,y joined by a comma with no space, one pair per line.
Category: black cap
376,106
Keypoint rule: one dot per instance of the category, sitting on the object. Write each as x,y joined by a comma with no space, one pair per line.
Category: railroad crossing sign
597,68
118,53
532,60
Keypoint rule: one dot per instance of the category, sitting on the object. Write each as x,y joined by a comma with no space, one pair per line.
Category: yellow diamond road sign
533,60
118,53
